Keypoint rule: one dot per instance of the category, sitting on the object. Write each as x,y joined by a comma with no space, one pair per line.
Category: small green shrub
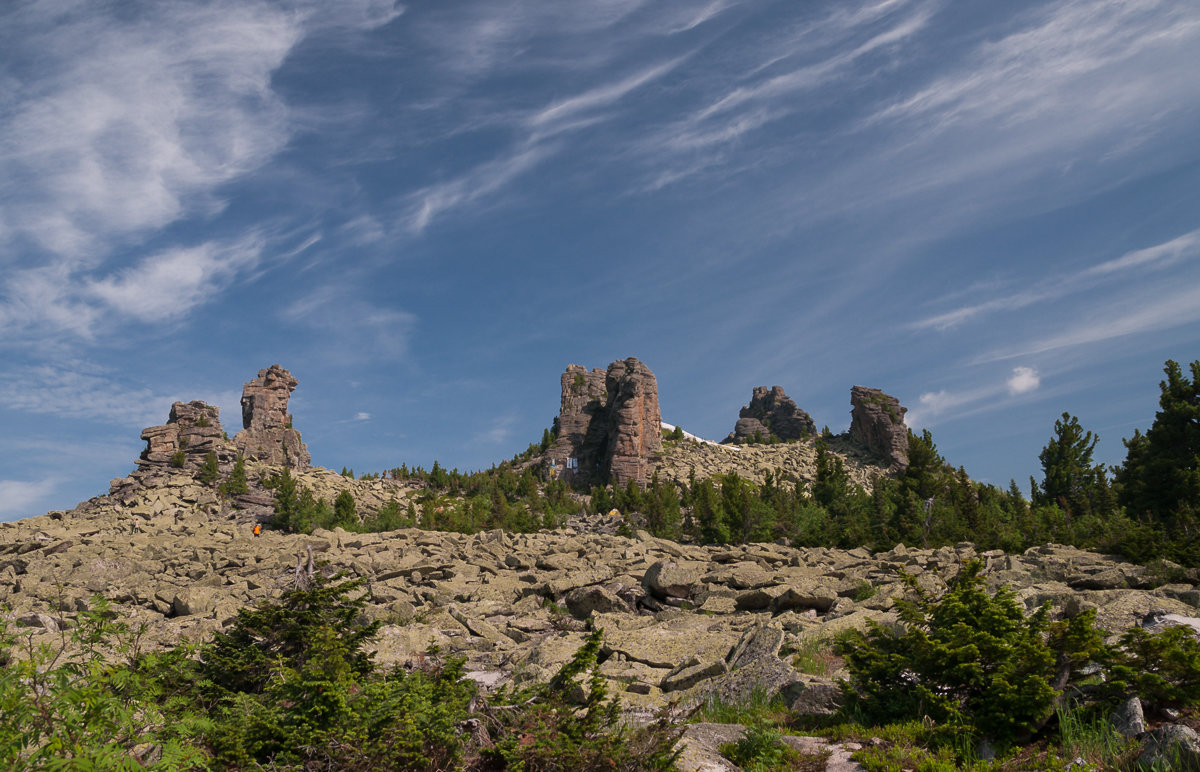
816,656
178,459
1162,668
760,750
864,591
210,471
87,703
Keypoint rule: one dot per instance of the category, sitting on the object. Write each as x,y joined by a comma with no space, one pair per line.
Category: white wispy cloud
79,390
710,11
1026,74
337,313
1023,380
480,182
168,285
1074,86
18,497
124,123
944,404
132,122
498,432
541,127
1160,256
59,298
1062,284
813,75
1160,309
601,96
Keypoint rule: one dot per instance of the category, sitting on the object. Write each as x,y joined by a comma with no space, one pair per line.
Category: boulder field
681,621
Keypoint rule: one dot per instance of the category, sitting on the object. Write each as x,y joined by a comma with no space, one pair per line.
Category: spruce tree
1071,480
1161,474
210,471
237,484
345,513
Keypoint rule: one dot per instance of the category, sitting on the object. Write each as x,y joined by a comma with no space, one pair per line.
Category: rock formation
771,412
192,431
609,424
582,424
267,433
877,422
634,421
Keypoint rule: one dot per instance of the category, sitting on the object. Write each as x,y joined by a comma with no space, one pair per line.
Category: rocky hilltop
176,551
681,621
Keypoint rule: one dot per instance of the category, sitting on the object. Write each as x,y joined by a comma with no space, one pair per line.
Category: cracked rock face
635,422
609,424
877,422
267,433
193,428
772,411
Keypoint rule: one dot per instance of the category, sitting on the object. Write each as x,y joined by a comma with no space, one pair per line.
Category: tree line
1144,509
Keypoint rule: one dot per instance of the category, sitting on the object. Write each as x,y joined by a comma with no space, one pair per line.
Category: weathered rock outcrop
634,421
609,424
582,424
877,422
267,433
191,432
771,412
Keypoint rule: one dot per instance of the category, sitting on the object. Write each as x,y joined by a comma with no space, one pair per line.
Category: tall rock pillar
634,420
609,424
267,433
877,422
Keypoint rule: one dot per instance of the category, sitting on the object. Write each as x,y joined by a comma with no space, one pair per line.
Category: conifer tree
1161,474
1072,480
210,471
345,513
236,484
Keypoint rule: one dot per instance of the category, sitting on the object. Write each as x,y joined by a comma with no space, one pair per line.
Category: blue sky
425,212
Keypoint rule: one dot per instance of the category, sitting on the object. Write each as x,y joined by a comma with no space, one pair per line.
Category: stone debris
681,621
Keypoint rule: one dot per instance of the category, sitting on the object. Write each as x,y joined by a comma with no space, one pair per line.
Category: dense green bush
92,702
290,686
970,660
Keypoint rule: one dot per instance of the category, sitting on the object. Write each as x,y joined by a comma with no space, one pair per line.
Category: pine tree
287,502
210,471
1161,474
1071,481
345,513
236,484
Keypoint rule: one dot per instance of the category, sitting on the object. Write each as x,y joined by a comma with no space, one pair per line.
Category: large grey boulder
1174,747
1127,719
668,579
